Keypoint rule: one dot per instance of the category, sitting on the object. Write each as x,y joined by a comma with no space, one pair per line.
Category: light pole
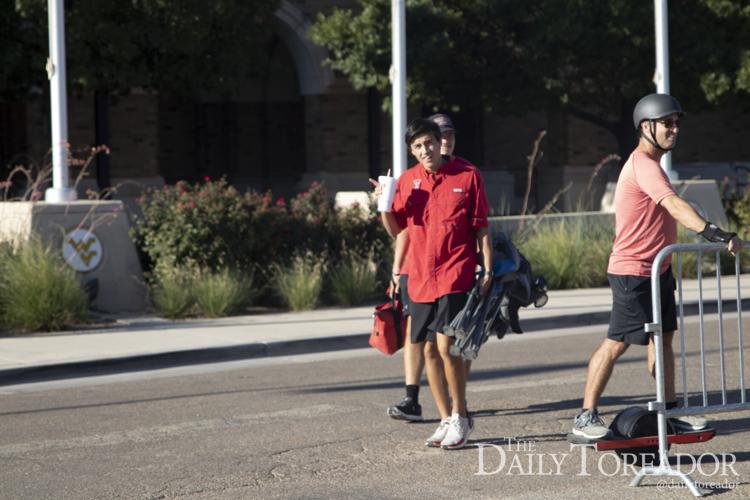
661,75
398,84
59,192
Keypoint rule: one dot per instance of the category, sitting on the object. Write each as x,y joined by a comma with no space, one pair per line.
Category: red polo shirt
442,212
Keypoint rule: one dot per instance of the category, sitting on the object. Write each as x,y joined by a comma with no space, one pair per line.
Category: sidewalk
150,342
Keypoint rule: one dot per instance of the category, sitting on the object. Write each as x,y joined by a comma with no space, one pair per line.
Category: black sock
412,392
671,405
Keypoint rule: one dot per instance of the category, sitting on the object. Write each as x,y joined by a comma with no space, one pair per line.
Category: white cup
388,190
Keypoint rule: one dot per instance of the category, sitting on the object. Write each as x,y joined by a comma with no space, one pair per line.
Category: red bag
387,334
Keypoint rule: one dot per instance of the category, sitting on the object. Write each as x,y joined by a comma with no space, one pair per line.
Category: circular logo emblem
82,250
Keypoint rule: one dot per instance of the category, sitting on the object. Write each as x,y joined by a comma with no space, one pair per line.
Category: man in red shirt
647,210
443,205
409,408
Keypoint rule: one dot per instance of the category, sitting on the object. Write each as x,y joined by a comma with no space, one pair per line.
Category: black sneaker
407,409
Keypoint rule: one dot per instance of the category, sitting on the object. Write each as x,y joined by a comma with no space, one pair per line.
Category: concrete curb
171,359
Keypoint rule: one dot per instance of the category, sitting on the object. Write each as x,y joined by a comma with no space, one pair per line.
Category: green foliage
575,254
737,207
360,47
569,254
23,52
172,292
592,58
354,280
359,44
174,46
210,225
187,291
300,284
730,67
221,294
38,291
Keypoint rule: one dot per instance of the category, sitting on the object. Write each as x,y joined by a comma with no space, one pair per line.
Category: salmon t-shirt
642,226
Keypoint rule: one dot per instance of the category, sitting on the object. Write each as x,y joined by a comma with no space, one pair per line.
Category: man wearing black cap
409,408
647,211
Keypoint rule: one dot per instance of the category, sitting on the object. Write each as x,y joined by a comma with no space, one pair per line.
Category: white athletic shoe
688,423
439,434
590,425
458,433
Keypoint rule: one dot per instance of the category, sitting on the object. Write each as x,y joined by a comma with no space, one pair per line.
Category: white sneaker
687,423
590,425
458,433
439,434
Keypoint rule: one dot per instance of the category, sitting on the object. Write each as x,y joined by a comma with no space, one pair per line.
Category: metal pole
661,76
720,310
685,399
739,327
59,192
398,84
658,339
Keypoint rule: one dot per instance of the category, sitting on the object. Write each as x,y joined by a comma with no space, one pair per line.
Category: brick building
295,121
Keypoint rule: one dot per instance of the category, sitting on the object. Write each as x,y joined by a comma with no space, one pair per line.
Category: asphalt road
314,426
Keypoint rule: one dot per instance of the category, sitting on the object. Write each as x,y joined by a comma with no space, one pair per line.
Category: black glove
714,234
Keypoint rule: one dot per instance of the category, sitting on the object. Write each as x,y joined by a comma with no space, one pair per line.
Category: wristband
714,234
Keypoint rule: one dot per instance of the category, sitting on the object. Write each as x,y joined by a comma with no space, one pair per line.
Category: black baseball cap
442,121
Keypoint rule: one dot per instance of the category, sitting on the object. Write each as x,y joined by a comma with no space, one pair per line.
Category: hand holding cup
385,189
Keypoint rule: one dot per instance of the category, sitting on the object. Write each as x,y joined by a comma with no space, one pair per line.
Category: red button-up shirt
442,212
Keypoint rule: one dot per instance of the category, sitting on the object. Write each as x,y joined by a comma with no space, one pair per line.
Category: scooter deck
624,443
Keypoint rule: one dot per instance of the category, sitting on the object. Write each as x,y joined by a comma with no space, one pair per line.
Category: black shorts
632,309
404,291
429,319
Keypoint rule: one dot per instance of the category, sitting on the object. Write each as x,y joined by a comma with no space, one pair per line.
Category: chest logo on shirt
416,183
458,190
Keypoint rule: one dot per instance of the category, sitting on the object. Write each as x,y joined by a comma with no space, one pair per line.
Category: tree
590,58
458,53
729,71
20,54
175,47
599,62
171,46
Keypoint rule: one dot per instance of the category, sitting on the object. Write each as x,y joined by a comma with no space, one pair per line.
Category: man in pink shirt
647,210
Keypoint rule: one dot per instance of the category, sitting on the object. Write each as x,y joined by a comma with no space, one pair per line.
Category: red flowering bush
322,227
211,226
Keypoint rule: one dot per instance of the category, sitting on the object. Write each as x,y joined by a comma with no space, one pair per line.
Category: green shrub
172,292
214,227
737,207
354,280
569,254
364,236
221,293
300,284
211,225
189,291
38,291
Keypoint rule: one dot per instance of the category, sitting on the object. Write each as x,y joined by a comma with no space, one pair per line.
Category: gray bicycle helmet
655,107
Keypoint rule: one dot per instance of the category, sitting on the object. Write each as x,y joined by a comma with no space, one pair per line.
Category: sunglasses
670,123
